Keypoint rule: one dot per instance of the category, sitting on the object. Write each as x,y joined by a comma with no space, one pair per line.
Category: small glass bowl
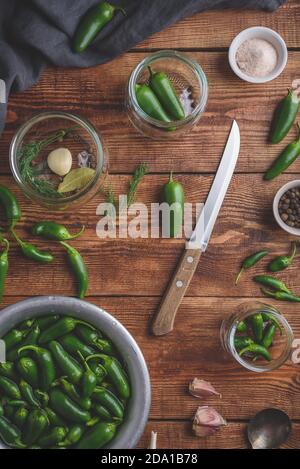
84,138
281,349
191,86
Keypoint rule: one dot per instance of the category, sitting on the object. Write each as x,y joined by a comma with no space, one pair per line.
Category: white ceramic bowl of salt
271,55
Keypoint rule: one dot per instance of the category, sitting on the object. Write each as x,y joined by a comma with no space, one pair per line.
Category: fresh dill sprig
138,175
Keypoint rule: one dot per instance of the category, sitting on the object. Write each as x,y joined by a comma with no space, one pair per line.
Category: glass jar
190,84
282,344
86,147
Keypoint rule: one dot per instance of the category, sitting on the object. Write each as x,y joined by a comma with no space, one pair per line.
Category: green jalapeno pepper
28,369
269,335
99,371
72,344
98,436
20,417
9,388
53,437
105,397
241,327
69,366
15,402
7,370
11,207
269,317
73,436
54,231
30,339
88,380
46,321
42,396
163,88
282,262
70,390
257,324
174,196
79,268
32,252
285,159
68,409
250,261
281,295
60,328
54,418
272,282
27,324
115,373
3,265
256,349
45,364
10,434
102,411
92,23
13,338
28,394
242,342
9,411
94,338
284,117
150,104
36,423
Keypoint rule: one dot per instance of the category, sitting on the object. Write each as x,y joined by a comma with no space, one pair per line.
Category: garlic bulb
60,161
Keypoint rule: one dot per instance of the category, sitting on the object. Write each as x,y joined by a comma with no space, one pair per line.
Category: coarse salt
257,57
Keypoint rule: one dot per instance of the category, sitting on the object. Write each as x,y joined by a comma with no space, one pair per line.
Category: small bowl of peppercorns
286,207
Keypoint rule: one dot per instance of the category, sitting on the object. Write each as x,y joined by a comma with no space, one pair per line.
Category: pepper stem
77,234
6,245
85,364
17,238
294,250
150,71
96,355
118,8
171,177
298,125
239,276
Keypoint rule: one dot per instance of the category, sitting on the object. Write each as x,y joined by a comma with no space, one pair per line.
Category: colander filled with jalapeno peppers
64,385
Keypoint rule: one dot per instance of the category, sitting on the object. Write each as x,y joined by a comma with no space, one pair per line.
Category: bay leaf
76,179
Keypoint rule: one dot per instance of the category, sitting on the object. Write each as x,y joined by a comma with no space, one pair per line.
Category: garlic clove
207,421
60,161
201,388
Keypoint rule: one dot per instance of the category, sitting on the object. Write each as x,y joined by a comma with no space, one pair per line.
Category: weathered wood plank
173,435
217,28
98,94
245,225
193,349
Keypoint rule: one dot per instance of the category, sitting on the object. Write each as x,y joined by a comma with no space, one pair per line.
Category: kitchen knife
164,320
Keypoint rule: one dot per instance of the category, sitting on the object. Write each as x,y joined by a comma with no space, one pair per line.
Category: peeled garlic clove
209,417
60,161
201,388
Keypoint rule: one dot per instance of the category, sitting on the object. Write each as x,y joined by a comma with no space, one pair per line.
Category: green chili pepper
60,328
14,402
45,363
269,317
72,345
53,437
29,371
102,412
54,231
32,252
45,321
36,423
281,295
269,335
3,265
242,342
28,394
69,366
99,371
110,401
27,324
92,23
10,434
11,207
115,372
79,268
1,410
74,435
93,338
9,411
54,419
241,327
269,281
257,324
257,350
70,390
30,339
250,261
174,196
98,436
42,396
285,159
88,380
284,117
20,417
68,409
163,88
9,388
13,338
7,370
150,104
282,262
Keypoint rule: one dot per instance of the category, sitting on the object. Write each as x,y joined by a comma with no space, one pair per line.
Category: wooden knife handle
164,320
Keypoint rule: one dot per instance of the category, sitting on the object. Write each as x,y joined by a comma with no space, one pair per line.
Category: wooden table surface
128,277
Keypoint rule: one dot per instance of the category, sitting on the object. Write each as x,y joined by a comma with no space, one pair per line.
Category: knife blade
164,320
2,92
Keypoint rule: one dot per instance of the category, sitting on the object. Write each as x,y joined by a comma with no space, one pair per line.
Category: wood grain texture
99,93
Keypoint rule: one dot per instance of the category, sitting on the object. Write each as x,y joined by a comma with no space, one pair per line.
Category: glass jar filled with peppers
257,336
166,94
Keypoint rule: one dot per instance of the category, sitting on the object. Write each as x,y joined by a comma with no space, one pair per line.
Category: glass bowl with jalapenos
166,94
73,377
58,159
257,336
